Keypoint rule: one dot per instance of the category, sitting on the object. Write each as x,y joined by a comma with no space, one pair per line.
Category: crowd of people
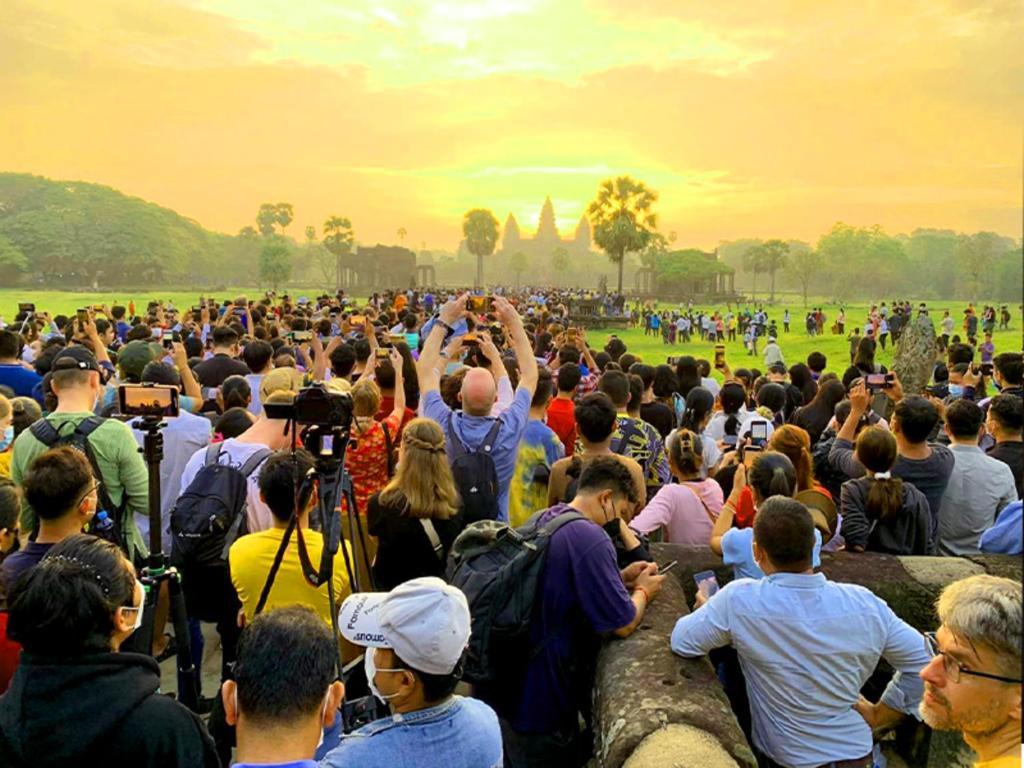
467,408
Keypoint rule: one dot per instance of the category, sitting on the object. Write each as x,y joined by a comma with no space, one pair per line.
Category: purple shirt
581,597
18,562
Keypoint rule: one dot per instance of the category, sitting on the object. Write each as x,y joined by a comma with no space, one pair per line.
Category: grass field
795,345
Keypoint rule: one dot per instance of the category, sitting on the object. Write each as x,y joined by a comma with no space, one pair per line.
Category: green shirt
121,466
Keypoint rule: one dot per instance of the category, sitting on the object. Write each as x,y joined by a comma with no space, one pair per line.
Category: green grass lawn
795,345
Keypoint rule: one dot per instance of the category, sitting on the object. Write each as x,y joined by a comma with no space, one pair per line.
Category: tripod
158,572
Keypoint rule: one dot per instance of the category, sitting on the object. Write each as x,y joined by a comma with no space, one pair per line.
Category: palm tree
338,238
402,232
480,229
622,218
753,259
774,256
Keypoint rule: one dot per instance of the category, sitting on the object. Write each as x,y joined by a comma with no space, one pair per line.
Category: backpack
499,568
475,475
47,434
210,514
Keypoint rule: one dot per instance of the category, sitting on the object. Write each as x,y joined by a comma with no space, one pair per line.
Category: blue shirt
458,733
738,552
19,378
803,666
295,764
1006,537
471,431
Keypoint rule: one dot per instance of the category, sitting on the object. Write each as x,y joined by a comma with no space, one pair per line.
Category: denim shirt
458,733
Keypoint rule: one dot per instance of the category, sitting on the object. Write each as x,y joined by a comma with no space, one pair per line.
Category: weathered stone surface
914,359
641,687
679,746
937,572
1007,566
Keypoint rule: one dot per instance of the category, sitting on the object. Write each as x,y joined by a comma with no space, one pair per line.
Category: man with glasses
973,683
62,491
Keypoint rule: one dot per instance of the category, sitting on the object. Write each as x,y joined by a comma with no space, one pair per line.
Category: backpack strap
435,540
87,426
458,446
389,447
247,469
491,437
488,442
212,454
44,432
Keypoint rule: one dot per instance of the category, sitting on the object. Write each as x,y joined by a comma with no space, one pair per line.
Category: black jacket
100,709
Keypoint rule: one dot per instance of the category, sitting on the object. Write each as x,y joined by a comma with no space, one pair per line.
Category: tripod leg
188,681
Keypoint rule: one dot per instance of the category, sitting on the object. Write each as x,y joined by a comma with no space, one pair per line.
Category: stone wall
656,710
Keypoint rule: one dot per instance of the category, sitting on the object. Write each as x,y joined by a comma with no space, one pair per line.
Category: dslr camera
315,405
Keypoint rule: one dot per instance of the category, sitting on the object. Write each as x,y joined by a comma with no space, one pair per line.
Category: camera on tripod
315,406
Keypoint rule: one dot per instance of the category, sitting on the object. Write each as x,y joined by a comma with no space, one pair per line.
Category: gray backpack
499,569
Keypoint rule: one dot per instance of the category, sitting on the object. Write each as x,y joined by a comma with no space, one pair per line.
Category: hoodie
98,709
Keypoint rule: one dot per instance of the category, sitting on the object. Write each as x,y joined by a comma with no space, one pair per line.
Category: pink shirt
678,510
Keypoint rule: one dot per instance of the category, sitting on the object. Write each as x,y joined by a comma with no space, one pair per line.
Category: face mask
955,390
371,672
138,610
7,438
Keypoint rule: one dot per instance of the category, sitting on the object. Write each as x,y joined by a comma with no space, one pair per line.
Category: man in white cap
415,637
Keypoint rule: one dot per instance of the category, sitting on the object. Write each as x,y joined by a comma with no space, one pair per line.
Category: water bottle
103,526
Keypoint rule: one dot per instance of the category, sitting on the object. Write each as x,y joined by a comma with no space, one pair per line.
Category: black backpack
210,514
499,568
47,434
475,475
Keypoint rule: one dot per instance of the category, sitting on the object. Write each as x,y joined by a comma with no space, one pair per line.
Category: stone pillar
914,359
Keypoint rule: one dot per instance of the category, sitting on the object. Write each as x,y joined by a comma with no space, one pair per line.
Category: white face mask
139,608
371,672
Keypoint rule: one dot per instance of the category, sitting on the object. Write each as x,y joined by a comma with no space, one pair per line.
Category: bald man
471,425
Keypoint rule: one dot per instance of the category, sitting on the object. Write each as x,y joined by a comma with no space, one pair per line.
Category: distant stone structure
547,240
377,267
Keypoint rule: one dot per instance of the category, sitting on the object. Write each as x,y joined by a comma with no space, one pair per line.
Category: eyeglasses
954,668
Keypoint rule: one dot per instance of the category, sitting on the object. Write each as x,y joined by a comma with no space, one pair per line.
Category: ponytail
885,498
686,451
779,484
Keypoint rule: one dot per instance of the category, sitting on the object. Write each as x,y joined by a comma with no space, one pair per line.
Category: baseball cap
133,357
73,358
424,621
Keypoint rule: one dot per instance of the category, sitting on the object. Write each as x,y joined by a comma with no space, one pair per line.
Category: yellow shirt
1009,761
5,464
251,557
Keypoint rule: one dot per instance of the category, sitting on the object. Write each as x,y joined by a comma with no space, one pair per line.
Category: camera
315,406
877,381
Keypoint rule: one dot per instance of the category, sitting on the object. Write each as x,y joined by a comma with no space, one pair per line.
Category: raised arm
520,343
396,362
189,384
725,517
426,368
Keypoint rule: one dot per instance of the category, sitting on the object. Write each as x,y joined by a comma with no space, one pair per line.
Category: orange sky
406,114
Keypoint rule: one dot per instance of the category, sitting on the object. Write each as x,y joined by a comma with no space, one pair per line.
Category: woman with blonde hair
415,516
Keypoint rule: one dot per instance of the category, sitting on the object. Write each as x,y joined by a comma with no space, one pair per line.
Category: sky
768,119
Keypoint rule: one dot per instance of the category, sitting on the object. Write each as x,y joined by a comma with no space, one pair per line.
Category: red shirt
367,459
562,422
387,405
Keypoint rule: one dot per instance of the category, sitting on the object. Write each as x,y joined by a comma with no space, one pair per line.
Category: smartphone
26,306
158,333
168,343
357,321
759,432
730,440
750,454
719,357
877,381
83,318
667,567
707,583
148,400
97,307
176,336
470,339
397,338
383,353
987,368
301,335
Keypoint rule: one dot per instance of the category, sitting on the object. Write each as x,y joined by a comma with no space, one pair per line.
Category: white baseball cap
424,621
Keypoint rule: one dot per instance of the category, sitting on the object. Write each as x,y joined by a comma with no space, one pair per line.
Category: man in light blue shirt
804,667
470,426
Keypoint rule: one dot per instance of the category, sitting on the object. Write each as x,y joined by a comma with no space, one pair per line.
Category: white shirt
183,436
258,514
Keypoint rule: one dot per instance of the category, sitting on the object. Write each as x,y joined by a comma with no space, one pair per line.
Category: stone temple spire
511,238
547,231
583,236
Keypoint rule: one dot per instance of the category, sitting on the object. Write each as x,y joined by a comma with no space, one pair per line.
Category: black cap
75,358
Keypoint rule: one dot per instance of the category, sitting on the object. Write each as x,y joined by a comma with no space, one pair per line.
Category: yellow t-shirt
251,557
1009,761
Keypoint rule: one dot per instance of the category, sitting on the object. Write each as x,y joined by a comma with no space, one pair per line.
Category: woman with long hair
815,416
864,359
687,509
795,445
370,457
727,422
699,408
71,613
414,516
882,513
772,474
687,374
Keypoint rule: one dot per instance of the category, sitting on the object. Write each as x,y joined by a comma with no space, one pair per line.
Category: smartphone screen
759,430
750,454
707,583
83,317
138,400
875,380
719,357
